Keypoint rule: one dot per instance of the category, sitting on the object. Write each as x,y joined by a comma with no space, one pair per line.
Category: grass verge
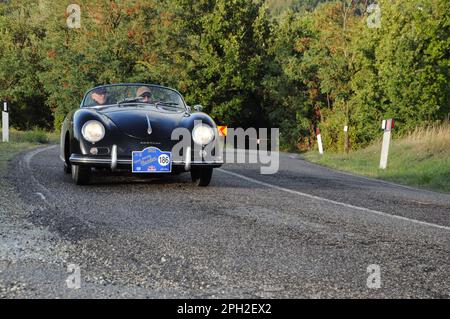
419,159
21,141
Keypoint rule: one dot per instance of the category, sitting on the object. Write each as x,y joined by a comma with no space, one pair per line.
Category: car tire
81,175
201,176
67,168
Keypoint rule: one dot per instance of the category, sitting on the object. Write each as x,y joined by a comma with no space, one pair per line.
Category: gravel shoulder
24,246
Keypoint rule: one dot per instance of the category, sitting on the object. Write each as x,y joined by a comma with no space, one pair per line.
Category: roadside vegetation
294,64
22,141
419,159
34,136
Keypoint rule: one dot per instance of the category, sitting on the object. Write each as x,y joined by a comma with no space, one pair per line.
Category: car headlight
202,134
93,131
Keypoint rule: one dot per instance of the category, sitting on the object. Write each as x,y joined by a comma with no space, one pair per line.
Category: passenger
145,93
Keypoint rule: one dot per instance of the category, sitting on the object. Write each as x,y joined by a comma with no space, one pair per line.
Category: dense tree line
319,64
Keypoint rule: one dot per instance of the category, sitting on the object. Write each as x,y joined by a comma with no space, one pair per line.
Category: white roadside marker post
319,141
387,126
5,123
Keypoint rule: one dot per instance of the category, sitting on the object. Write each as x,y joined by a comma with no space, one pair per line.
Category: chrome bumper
114,158
86,159
114,162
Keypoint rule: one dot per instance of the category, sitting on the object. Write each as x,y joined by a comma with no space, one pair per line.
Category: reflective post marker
319,141
223,132
5,123
387,126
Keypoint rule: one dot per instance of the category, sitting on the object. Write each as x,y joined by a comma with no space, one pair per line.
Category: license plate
152,160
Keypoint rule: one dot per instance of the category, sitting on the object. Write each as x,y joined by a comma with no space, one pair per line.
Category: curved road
306,232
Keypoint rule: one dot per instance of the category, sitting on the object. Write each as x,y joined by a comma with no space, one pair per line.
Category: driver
145,93
99,96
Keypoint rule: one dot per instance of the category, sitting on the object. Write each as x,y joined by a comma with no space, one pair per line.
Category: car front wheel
81,175
201,176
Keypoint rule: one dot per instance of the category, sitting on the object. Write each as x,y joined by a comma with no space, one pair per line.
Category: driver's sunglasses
148,95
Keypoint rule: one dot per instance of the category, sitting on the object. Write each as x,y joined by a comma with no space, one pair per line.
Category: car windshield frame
182,107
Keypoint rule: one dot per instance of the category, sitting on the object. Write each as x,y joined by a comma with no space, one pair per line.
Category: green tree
117,42
226,58
330,58
291,85
402,68
412,59
21,33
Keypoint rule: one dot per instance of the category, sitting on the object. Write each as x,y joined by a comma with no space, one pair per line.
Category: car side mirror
198,108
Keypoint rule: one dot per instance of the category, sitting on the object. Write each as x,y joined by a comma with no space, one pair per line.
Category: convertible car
139,128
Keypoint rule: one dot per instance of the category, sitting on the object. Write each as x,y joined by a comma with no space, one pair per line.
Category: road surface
305,232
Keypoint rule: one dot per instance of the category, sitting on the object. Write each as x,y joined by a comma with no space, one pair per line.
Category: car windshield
132,95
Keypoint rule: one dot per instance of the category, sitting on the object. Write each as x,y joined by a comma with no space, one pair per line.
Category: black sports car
141,128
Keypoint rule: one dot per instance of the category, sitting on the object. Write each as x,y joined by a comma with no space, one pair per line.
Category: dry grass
21,141
432,139
33,136
420,158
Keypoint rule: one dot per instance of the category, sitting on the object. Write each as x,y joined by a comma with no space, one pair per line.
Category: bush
34,136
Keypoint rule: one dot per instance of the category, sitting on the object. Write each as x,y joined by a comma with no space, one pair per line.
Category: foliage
20,56
294,64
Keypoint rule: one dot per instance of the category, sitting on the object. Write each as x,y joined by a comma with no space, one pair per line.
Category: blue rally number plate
152,160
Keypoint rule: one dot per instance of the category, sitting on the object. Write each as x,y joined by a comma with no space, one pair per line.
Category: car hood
134,122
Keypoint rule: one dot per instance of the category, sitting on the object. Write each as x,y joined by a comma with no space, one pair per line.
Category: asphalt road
305,232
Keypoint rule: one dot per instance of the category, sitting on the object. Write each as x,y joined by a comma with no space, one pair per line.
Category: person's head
145,93
99,96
